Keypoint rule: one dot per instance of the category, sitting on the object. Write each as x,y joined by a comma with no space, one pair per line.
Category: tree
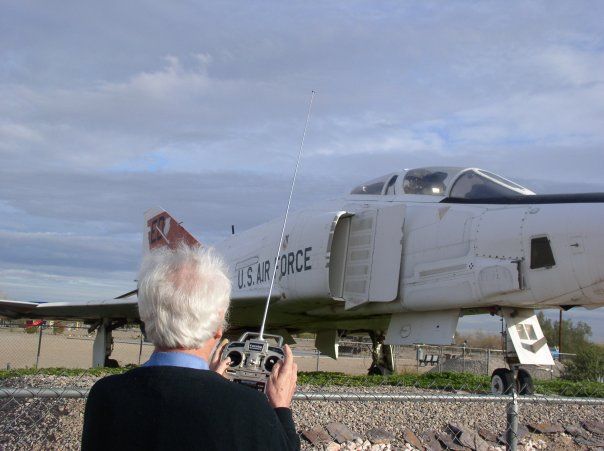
575,337
587,365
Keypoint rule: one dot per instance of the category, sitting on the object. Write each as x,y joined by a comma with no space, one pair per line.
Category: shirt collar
176,358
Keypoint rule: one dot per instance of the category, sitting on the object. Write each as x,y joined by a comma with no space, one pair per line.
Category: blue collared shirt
175,358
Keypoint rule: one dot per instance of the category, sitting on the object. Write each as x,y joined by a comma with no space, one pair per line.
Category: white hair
183,296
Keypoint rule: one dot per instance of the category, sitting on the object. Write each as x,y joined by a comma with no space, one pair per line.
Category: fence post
512,423
318,354
488,360
39,345
463,357
140,348
440,360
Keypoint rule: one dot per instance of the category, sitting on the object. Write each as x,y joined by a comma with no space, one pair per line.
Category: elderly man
179,398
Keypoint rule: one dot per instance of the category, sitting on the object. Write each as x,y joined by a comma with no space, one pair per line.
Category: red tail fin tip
161,230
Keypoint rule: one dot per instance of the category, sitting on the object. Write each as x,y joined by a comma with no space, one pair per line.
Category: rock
377,447
468,438
430,441
576,431
591,443
379,436
540,444
488,435
317,436
545,428
449,442
332,446
410,437
341,433
366,445
520,433
595,427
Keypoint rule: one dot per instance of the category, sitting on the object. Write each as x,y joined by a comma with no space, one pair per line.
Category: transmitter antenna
291,192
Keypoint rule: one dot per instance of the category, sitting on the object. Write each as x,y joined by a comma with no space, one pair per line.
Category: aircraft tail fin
161,230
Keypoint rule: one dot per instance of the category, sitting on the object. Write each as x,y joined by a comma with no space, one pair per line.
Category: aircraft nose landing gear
524,382
504,381
523,344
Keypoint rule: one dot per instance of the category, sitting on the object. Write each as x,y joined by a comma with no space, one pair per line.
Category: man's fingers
289,358
218,352
276,370
222,366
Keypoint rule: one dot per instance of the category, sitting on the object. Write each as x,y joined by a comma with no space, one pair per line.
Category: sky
110,108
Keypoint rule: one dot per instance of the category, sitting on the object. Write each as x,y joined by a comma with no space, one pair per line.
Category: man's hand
215,363
282,381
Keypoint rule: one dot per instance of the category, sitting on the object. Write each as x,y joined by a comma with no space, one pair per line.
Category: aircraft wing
83,310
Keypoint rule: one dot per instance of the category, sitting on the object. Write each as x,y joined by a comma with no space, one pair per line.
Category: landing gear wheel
525,383
502,381
378,370
111,363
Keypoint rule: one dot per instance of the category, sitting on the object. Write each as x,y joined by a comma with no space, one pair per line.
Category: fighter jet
400,258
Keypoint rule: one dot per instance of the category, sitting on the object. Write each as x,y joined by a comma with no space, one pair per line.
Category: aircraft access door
366,255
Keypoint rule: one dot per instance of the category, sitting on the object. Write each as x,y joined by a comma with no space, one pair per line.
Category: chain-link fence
431,409
355,358
44,410
70,346
65,346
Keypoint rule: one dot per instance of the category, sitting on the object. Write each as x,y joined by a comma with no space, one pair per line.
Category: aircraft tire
111,363
525,383
502,381
378,370
374,370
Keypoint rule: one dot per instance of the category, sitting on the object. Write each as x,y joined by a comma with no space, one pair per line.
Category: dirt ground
73,349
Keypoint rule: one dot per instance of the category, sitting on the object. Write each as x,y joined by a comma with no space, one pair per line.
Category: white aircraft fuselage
351,263
402,257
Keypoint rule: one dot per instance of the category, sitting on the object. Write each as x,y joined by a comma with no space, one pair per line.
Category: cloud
199,108
12,133
67,251
38,285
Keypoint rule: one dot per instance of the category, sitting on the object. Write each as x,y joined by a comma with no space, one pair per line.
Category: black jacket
168,407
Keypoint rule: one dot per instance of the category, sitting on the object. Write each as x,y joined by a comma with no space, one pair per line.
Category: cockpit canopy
464,183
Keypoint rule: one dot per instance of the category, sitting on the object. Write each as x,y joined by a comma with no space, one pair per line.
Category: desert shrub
575,336
588,364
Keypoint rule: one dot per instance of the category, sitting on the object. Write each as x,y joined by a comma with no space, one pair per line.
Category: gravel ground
57,424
